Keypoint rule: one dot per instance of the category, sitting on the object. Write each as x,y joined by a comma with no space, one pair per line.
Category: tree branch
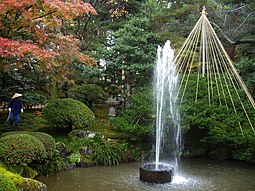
38,80
90,16
7,12
91,37
240,41
44,15
245,41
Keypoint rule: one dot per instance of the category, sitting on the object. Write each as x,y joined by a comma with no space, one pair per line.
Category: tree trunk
128,88
233,48
253,92
232,52
54,89
178,4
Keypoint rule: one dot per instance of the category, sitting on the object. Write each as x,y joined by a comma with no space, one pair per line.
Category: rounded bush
21,149
6,184
68,113
47,140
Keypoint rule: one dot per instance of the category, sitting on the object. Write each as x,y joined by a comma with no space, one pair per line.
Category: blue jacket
15,105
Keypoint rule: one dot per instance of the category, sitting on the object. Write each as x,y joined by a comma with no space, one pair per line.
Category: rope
203,51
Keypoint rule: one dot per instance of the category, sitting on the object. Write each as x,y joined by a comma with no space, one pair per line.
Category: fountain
168,133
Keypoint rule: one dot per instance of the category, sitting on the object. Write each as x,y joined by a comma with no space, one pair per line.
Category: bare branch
236,42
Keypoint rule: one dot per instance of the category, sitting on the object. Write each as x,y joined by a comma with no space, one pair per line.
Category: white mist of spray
167,114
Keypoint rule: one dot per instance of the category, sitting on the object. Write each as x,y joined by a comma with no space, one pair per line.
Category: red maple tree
27,28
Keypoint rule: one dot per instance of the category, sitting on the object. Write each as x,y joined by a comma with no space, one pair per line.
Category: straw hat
16,95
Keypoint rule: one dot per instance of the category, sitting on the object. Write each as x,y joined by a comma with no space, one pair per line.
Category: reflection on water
194,175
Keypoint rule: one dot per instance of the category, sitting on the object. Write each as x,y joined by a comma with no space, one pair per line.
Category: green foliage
245,154
133,152
68,113
238,146
246,69
214,127
217,113
31,98
112,153
6,184
89,74
12,82
74,158
122,125
47,140
132,54
88,94
137,119
103,152
76,144
21,149
49,165
106,154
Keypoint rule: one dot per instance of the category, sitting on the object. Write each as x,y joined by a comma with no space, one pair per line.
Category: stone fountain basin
163,174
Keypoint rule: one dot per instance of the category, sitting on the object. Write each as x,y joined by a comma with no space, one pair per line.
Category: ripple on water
195,175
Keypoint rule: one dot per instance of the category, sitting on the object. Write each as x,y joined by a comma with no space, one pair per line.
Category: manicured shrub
21,149
6,184
68,113
47,140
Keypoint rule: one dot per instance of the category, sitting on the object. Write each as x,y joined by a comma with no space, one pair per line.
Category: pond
194,175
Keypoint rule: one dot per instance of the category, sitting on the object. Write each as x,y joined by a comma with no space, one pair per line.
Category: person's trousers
16,116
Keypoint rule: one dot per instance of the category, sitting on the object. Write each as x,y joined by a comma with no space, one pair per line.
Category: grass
29,121
103,123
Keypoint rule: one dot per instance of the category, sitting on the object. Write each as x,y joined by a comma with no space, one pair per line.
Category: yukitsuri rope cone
203,55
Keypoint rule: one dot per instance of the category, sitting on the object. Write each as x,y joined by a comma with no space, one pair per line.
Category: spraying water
168,131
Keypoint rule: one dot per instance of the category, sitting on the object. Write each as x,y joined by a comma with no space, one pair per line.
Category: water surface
194,175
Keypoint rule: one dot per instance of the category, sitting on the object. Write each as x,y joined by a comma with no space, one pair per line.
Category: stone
63,150
87,150
69,166
84,134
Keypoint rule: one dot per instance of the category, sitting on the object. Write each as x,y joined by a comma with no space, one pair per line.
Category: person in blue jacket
15,108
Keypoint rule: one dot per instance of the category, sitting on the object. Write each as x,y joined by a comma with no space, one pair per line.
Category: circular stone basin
163,174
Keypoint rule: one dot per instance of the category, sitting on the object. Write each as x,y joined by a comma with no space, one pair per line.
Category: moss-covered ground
33,120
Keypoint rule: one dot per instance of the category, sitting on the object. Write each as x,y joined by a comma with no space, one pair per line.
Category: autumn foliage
30,29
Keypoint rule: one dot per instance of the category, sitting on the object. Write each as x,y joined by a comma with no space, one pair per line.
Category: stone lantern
112,101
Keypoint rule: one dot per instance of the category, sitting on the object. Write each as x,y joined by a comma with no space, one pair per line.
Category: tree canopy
32,35
25,26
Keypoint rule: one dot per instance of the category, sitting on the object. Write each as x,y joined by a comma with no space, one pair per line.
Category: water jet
168,131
